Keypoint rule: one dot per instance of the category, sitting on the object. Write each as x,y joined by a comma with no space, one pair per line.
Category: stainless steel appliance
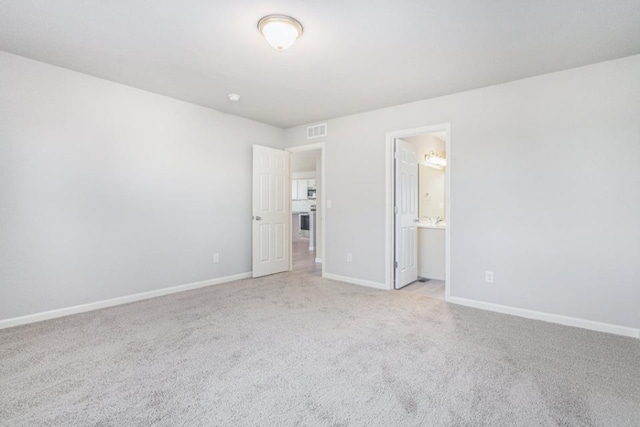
311,193
304,224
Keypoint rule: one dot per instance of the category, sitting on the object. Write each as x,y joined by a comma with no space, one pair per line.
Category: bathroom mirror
431,191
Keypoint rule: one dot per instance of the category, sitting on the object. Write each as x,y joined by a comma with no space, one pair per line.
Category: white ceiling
354,55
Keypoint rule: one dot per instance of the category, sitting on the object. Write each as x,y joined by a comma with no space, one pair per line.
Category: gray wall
545,191
107,191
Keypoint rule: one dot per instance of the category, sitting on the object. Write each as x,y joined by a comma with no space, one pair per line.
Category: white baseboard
52,314
549,317
355,281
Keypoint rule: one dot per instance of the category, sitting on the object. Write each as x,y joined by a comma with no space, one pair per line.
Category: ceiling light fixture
234,97
280,31
435,160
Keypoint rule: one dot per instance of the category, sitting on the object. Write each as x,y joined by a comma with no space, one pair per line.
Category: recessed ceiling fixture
234,97
280,31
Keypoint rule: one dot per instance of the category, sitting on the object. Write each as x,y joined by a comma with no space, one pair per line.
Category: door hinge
395,209
395,154
396,264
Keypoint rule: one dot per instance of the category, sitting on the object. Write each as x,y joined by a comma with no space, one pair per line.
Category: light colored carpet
295,349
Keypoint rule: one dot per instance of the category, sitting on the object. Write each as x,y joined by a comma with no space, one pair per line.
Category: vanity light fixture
435,160
280,31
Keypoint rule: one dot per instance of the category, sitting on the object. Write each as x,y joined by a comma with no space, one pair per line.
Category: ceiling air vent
317,131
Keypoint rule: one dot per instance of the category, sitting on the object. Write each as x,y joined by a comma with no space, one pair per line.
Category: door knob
416,220
257,218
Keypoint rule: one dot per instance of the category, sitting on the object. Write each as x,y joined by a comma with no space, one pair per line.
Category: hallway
304,260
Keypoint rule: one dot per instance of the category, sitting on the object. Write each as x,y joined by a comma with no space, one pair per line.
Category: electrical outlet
488,276
216,258
349,257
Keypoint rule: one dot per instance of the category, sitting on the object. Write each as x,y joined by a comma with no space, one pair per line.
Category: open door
271,211
406,214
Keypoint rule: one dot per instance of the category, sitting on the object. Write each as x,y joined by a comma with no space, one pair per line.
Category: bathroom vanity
431,250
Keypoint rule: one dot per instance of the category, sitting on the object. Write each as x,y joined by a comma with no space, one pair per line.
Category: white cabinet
295,227
302,189
431,253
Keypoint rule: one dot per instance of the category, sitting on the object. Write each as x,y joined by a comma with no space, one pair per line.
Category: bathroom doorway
419,211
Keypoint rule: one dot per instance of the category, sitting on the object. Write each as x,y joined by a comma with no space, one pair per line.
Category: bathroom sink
431,223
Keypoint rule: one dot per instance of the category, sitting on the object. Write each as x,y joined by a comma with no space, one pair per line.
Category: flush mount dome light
280,31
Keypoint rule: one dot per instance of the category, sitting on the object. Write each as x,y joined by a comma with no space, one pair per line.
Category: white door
406,214
271,211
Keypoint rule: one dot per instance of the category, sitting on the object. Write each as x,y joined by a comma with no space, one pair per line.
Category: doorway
418,207
288,229
307,209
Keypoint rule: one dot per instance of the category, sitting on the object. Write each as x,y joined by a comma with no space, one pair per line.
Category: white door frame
323,205
390,194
